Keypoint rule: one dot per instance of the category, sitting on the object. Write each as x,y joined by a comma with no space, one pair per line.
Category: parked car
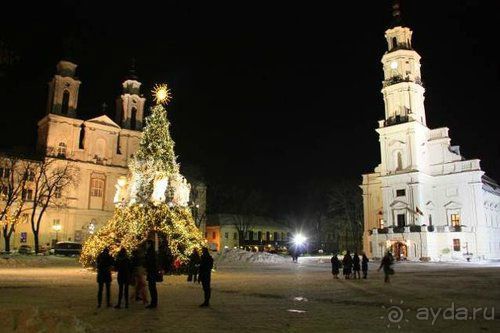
25,249
68,248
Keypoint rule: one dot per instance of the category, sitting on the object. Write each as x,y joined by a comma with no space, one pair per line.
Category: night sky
266,95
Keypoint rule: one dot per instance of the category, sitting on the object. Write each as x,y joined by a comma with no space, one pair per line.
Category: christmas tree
153,199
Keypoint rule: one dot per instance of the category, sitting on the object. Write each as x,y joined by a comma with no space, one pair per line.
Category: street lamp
57,228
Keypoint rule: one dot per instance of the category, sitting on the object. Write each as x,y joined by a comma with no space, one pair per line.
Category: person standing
138,277
386,264
123,268
356,267
364,265
194,263
104,263
347,264
335,266
152,274
206,265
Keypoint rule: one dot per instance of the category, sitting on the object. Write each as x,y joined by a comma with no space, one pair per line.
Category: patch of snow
238,256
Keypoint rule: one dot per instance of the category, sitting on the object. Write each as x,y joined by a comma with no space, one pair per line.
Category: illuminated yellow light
161,94
394,65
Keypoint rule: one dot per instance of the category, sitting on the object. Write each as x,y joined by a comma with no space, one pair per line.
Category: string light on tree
153,199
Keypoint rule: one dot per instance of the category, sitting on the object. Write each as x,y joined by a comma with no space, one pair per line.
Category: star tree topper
162,94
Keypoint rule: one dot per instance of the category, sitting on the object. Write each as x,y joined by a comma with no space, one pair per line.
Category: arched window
133,119
61,150
82,136
399,161
394,42
65,102
96,187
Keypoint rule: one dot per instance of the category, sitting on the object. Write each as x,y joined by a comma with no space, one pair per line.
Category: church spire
396,14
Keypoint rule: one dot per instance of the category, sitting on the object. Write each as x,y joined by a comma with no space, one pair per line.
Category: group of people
352,266
131,270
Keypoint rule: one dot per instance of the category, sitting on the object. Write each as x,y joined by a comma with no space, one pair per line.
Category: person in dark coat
152,274
347,264
356,266
123,267
364,265
206,265
386,264
194,264
104,263
335,266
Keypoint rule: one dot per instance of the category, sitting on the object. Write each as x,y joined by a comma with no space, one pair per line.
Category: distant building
99,148
424,200
262,234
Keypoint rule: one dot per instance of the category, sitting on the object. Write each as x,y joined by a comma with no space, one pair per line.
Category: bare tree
15,175
52,177
345,205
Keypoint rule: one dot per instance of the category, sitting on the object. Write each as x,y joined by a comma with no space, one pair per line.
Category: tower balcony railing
399,78
396,120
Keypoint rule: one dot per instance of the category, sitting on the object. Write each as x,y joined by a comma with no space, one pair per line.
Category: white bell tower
402,86
130,105
403,132
63,90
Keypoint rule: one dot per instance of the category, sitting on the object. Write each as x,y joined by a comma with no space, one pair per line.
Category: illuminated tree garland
135,222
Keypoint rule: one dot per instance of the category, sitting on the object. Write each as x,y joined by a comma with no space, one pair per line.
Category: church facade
424,200
99,149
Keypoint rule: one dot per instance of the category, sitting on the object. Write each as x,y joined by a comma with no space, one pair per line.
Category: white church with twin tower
424,201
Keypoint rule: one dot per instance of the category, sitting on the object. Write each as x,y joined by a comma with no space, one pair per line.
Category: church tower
403,131
130,105
402,86
63,90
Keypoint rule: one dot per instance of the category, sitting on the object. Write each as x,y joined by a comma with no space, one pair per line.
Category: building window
275,236
399,160
235,236
394,42
400,193
58,192
268,236
97,187
259,235
82,137
214,235
27,194
4,172
133,119
455,220
401,219
29,175
61,150
456,244
226,235
381,223
118,150
65,102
